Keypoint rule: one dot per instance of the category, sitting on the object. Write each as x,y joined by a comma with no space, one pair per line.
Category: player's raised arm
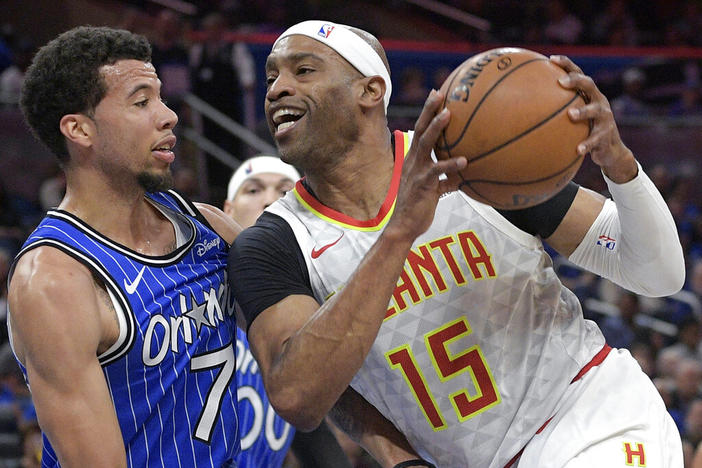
633,241
58,339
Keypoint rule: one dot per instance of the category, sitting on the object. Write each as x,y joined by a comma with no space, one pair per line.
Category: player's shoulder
271,233
222,224
269,227
48,269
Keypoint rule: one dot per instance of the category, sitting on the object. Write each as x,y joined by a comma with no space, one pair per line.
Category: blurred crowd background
645,55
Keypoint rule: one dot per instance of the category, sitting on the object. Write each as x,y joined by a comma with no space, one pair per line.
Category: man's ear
78,129
373,91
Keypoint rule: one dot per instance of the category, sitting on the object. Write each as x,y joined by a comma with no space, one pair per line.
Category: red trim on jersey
385,208
595,361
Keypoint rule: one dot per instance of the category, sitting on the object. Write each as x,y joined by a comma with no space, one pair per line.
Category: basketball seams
527,131
450,146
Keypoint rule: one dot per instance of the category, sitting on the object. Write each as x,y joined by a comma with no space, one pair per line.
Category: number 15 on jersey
448,366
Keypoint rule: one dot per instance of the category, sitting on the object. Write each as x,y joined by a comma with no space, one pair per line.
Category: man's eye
142,103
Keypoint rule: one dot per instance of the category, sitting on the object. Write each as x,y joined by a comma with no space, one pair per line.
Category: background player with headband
447,317
119,310
265,436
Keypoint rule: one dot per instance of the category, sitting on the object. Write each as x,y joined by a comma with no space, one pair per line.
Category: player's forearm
366,426
318,362
635,244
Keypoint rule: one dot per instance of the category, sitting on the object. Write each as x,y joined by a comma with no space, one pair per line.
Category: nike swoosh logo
131,287
317,252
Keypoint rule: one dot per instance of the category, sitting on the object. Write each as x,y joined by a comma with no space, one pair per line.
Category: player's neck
123,216
358,185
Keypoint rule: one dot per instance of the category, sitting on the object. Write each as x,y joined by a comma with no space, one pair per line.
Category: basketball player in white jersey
443,314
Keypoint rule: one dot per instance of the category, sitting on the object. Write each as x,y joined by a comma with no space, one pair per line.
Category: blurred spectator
52,189
688,378
7,32
185,181
665,387
688,339
662,177
223,75
5,262
693,423
14,393
689,103
411,93
667,362
621,330
12,77
413,90
687,25
643,352
11,233
31,446
615,25
562,26
170,58
439,76
630,102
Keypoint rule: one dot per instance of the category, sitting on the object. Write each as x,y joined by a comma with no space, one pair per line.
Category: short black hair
64,78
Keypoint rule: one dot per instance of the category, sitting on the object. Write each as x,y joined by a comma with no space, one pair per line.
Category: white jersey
481,339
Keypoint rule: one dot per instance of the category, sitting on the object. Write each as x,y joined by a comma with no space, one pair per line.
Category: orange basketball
509,119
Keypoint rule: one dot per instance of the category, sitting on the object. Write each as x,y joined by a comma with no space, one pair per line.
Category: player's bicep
56,331
576,222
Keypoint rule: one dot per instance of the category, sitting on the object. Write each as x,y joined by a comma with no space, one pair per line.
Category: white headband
350,46
259,165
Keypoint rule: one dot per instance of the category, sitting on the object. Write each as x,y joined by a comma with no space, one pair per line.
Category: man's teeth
285,125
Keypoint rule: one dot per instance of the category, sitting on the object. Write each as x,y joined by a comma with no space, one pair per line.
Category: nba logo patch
606,242
325,30
248,169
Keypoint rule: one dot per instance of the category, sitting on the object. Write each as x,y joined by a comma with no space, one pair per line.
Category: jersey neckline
309,201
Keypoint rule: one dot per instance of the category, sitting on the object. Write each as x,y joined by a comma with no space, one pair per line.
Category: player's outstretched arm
633,241
57,330
307,354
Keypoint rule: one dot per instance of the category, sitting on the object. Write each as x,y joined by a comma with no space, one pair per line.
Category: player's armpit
57,329
366,426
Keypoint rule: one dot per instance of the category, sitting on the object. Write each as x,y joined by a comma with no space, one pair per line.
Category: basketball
509,119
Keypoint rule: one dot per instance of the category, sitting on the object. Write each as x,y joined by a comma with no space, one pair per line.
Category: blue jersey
265,436
171,371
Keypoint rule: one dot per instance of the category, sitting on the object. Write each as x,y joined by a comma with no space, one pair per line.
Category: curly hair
64,78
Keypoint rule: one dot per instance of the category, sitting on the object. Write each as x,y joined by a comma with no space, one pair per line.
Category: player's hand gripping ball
509,119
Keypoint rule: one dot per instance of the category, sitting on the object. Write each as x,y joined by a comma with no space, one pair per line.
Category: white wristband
634,241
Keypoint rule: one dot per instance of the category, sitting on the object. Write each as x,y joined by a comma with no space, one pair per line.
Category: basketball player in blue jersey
265,436
441,312
119,308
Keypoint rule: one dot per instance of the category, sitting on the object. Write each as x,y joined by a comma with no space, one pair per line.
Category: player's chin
155,181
